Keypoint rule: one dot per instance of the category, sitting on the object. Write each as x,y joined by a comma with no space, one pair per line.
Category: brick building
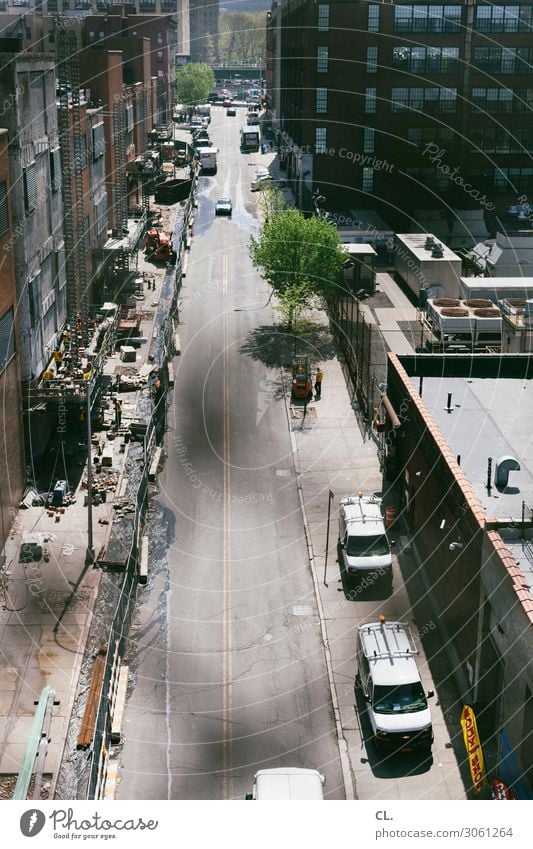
203,30
11,448
404,107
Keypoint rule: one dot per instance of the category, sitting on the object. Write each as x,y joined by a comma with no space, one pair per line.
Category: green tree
194,82
242,36
299,257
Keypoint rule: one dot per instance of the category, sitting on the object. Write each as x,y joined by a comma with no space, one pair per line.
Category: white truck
391,687
250,138
208,159
287,783
362,537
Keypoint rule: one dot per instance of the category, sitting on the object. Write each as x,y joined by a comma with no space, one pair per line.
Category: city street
228,666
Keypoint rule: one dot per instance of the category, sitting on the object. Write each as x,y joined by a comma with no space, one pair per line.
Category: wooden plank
88,722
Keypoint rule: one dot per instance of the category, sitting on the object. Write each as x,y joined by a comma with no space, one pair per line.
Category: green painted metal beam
36,731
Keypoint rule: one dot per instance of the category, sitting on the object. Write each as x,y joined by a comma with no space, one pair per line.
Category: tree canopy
195,82
299,257
242,36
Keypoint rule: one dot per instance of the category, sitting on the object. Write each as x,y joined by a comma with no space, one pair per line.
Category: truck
250,138
287,783
389,680
208,160
362,538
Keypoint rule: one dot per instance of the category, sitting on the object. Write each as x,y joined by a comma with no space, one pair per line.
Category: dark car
231,112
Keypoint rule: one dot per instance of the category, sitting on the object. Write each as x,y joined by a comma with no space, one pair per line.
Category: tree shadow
276,346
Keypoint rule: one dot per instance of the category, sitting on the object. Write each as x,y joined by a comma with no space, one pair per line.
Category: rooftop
416,243
490,417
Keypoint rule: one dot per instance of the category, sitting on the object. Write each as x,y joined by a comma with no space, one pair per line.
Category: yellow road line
227,636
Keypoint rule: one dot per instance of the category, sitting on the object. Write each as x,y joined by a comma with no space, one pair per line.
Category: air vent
429,243
478,303
437,252
447,302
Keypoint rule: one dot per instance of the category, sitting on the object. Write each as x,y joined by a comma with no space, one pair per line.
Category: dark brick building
400,107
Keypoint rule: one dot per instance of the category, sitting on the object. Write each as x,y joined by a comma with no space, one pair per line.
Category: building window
429,135
35,299
504,18
322,60
429,100
367,182
373,18
159,56
431,60
370,101
371,60
159,38
30,188
323,17
320,140
427,18
321,100
4,208
492,100
368,139
98,141
147,5
500,140
7,338
519,180
55,169
504,60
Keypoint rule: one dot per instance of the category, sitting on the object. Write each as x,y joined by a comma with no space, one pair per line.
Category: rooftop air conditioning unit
437,252
429,243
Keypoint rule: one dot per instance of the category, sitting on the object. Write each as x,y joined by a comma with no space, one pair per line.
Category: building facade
203,30
405,107
12,474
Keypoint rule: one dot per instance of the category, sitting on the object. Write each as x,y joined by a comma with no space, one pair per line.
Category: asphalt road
228,668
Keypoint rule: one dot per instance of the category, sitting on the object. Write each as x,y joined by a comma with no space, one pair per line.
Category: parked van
390,683
362,536
287,783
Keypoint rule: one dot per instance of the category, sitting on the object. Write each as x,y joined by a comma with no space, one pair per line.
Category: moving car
287,783
223,206
227,102
231,112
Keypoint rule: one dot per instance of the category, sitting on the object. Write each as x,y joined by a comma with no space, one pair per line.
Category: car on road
223,206
227,102
287,783
231,112
266,181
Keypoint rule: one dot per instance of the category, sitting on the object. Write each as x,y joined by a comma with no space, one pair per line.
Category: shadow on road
276,346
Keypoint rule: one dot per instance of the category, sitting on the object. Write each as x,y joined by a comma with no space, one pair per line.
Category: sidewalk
331,454
32,656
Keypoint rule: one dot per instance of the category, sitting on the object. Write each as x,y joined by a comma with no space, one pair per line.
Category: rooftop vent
487,313
477,303
457,312
447,302
437,252
429,243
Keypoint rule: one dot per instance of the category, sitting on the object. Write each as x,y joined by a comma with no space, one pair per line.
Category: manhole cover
302,610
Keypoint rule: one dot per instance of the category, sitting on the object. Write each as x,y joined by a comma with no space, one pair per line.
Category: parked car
223,206
265,182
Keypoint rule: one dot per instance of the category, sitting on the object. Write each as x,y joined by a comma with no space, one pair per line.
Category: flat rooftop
415,242
491,417
524,283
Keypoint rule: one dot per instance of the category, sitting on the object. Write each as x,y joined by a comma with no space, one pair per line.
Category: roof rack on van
360,500
387,639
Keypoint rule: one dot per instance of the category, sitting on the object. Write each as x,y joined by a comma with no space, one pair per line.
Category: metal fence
364,353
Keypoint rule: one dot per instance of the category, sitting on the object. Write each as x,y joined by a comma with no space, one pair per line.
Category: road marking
227,784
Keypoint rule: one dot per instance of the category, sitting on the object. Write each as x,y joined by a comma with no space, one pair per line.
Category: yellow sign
473,748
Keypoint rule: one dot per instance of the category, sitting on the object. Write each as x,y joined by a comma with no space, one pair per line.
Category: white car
266,181
223,206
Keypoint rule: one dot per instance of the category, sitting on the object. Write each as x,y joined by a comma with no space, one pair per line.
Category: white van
362,538
287,783
390,682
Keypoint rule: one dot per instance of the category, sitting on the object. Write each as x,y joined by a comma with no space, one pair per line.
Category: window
323,17
320,140
373,18
492,100
429,135
504,18
159,56
98,141
159,38
367,183
321,100
129,117
34,295
370,101
322,60
430,178
7,338
80,154
30,188
429,100
4,208
519,180
427,18
55,169
504,60
500,140
371,60
431,60
368,139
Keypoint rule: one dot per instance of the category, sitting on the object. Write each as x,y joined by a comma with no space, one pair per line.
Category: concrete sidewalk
331,454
